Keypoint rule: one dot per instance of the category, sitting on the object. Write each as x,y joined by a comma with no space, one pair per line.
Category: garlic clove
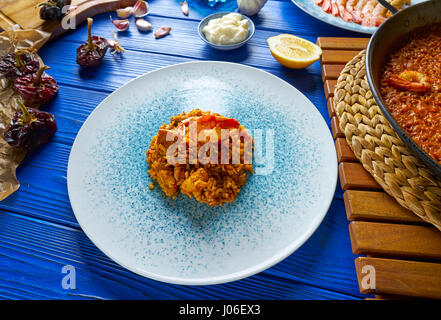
162,32
140,9
143,25
124,13
121,25
184,7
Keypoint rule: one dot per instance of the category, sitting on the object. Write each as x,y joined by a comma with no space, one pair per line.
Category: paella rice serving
411,87
202,155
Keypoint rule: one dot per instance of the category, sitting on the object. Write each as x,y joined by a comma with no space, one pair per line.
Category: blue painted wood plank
276,15
38,232
39,249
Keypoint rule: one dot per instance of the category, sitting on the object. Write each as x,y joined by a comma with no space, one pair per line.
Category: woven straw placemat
381,152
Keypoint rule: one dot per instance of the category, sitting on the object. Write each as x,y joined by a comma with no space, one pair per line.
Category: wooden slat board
395,240
416,279
404,251
369,206
26,14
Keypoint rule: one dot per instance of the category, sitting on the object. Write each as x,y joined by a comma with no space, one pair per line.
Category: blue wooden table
38,231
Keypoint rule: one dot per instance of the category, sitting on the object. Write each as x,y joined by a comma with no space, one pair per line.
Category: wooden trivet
394,229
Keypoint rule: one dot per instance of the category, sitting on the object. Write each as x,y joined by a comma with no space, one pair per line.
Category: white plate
183,241
316,11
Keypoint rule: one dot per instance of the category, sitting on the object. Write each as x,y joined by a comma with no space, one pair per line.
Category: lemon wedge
293,52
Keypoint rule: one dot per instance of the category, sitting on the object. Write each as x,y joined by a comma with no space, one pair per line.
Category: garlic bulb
250,7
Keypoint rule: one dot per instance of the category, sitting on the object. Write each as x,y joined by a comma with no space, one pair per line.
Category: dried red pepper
19,63
30,128
37,88
53,9
92,52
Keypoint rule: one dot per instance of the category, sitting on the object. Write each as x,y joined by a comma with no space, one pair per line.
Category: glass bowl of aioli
222,36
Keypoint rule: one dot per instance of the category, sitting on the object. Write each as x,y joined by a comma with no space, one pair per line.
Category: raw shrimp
334,8
369,15
345,15
326,6
366,12
357,15
350,4
379,15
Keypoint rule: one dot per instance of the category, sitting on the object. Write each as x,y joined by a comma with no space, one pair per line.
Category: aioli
230,29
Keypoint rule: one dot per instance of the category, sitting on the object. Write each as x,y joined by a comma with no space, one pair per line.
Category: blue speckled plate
316,11
183,241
